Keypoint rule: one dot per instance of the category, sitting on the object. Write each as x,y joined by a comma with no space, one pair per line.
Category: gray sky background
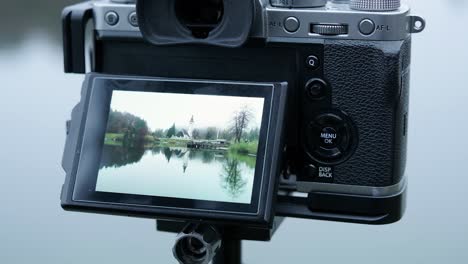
37,98
162,110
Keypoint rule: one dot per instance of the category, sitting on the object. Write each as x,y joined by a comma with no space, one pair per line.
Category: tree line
135,129
236,131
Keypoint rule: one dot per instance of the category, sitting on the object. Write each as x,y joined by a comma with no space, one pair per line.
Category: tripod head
200,243
197,244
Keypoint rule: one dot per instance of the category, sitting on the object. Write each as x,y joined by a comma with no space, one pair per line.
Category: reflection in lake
116,157
177,172
232,179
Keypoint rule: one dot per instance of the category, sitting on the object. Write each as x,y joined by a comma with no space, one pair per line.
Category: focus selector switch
330,137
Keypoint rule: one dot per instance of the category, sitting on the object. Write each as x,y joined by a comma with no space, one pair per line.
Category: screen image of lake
177,172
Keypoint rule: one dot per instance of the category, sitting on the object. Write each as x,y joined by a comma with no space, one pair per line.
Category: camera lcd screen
188,146
168,147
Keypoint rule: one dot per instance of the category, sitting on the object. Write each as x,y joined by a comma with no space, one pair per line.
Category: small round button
133,19
313,62
291,24
310,170
112,18
367,27
316,89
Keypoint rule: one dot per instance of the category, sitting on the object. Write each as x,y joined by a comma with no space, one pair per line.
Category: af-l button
367,27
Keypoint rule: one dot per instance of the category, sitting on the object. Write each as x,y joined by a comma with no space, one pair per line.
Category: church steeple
190,128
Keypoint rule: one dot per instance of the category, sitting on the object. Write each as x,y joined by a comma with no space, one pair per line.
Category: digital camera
236,111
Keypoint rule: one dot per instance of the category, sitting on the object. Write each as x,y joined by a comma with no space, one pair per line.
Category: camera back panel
333,96
347,72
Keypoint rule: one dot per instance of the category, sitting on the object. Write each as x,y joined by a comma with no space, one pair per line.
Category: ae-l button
291,24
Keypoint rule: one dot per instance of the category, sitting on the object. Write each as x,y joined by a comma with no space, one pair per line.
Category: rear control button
316,89
291,24
325,174
329,137
311,171
133,19
112,18
367,27
312,62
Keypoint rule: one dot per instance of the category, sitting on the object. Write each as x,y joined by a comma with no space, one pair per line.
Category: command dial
329,29
298,3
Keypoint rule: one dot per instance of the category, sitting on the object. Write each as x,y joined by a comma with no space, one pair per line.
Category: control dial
375,5
298,3
331,137
329,29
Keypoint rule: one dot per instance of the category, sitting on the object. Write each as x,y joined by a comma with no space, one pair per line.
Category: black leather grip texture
369,81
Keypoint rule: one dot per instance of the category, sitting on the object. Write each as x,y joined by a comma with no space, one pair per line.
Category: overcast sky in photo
162,110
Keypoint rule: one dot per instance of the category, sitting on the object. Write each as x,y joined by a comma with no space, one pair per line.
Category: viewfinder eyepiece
225,23
199,16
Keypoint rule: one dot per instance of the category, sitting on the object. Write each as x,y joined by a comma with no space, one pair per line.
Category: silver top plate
270,22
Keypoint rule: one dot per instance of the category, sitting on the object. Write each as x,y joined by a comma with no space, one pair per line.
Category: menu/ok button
328,137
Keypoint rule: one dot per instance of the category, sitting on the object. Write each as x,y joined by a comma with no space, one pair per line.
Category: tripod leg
229,253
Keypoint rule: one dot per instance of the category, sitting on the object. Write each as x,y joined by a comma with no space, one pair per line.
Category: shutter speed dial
298,3
375,5
364,5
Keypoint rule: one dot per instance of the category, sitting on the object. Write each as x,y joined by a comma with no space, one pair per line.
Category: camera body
346,65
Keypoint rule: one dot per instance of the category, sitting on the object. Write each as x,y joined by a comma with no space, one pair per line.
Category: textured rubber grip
368,87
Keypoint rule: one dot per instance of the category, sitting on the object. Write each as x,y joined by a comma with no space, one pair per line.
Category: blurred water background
36,98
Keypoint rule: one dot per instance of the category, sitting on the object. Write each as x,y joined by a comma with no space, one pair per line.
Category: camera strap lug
74,20
416,24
